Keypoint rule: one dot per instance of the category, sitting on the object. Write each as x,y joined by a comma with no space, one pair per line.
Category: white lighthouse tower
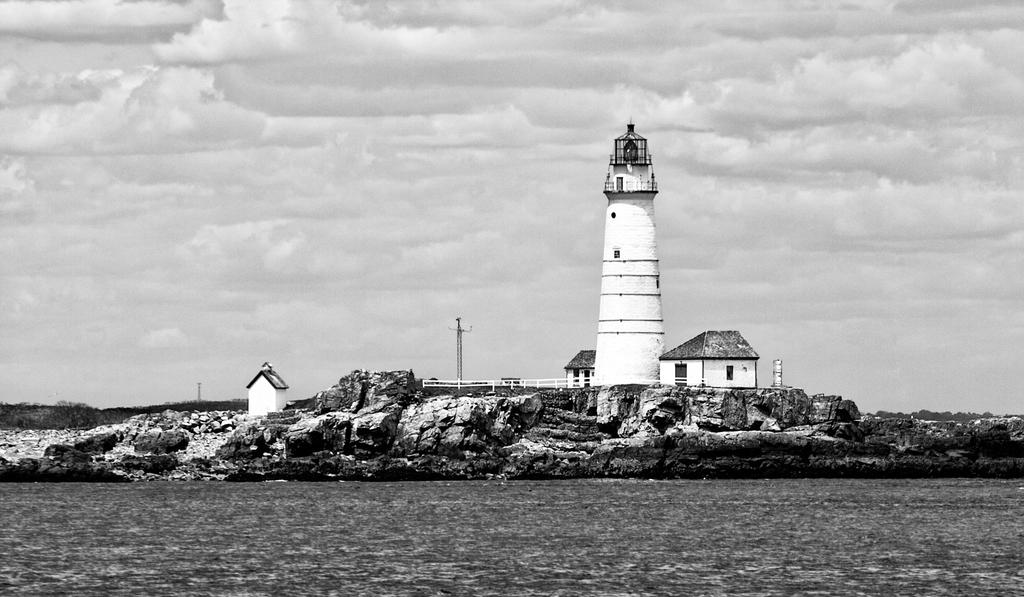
630,331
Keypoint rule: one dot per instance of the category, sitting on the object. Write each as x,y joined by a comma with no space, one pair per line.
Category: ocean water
585,537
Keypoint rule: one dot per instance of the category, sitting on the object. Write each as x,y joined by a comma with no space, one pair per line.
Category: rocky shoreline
383,426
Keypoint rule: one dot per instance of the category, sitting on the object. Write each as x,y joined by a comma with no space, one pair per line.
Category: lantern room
630,169
630,148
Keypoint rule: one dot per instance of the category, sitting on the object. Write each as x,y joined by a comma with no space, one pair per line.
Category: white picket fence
551,382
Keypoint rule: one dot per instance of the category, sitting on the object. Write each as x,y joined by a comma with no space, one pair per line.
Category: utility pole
459,330
199,391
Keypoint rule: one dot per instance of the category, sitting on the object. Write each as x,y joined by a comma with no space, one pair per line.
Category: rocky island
386,426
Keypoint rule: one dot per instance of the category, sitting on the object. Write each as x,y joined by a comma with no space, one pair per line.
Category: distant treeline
76,415
931,415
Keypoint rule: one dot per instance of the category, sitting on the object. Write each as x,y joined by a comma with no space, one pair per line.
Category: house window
681,372
728,372
615,254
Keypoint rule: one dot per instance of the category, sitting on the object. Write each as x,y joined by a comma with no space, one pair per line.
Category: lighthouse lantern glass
631,148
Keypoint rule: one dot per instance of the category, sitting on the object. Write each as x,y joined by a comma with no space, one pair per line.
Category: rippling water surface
590,537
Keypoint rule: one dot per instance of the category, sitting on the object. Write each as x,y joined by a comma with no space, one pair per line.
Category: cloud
327,184
164,338
16,189
948,76
252,31
13,178
144,111
236,250
99,19
21,87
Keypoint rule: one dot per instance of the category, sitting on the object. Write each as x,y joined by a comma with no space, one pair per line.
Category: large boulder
786,407
615,404
161,441
253,440
367,390
743,410
329,431
833,409
153,464
65,454
99,443
447,426
362,434
455,426
706,409
657,409
637,410
514,415
374,433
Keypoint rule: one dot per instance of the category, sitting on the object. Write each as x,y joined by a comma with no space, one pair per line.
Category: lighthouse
630,330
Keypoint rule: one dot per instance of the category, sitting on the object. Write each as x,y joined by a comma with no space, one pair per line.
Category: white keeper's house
720,359
580,370
267,391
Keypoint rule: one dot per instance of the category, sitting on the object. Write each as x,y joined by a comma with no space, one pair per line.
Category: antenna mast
458,329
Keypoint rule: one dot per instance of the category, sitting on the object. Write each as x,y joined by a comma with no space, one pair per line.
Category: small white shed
720,359
266,391
580,370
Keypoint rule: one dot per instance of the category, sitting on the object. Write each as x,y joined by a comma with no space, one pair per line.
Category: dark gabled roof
272,376
584,359
727,344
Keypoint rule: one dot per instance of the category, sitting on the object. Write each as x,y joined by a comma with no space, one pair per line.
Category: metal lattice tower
459,330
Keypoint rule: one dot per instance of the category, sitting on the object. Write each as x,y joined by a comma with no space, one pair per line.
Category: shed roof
584,359
272,376
728,344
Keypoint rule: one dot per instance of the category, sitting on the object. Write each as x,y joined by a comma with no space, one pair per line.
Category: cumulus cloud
269,244
99,19
942,77
19,86
151,110
332,182
16,189
251,31
13,178
164,338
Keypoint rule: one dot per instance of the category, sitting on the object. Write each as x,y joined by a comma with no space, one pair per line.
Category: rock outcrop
378,425
165,445
161,441
630,410
366,390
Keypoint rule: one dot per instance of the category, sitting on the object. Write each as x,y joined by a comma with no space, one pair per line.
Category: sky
191,188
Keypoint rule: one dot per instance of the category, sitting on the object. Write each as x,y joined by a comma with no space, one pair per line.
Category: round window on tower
613,215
